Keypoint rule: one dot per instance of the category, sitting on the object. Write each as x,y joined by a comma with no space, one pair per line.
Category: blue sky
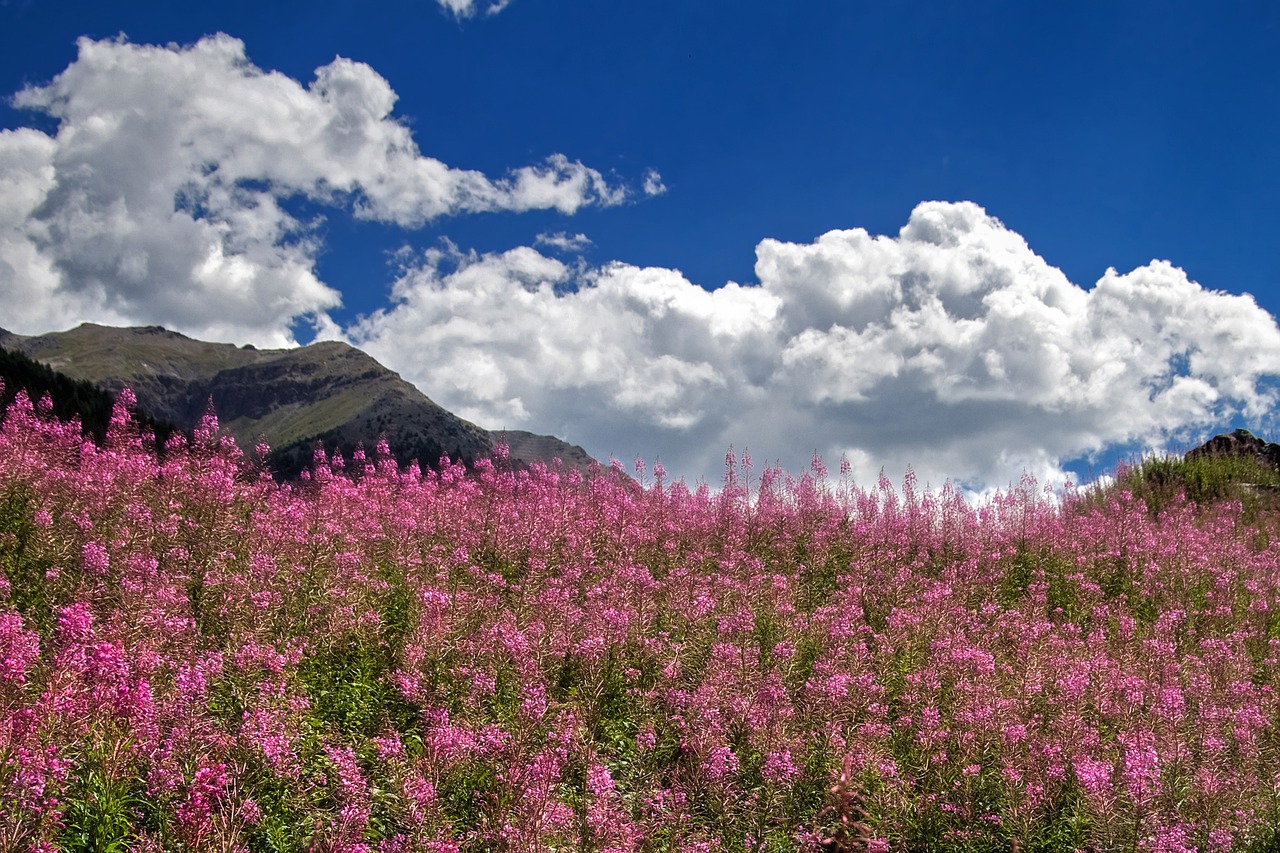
1104,135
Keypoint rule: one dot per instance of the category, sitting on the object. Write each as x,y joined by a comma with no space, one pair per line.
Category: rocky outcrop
1240,443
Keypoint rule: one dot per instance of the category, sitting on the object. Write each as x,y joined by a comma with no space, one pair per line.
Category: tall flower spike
206,433
817,467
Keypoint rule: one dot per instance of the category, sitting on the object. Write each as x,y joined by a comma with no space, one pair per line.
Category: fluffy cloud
951,347
513,338
563,242
653,184
469,8
164,195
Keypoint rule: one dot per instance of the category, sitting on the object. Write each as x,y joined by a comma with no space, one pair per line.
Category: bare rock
1240,443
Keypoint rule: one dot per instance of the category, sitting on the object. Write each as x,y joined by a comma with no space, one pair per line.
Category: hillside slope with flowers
196,657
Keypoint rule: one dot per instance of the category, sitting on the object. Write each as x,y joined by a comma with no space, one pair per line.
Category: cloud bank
951,347
165,190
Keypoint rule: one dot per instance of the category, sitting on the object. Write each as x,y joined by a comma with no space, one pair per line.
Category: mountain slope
71,398
327,391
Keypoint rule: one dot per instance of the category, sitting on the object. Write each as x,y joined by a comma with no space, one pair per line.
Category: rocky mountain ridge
1240,443
326,392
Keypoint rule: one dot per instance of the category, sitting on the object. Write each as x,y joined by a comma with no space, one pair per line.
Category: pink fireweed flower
1171,839
1220,840
272,734
756,624
817,467
204,794
1093,775
778,767
1170,703
742,621
1141,772
353,790
75,624
1014,734
534,704
95,558
599,781
420,791
19,650
389,746
720,764
646,738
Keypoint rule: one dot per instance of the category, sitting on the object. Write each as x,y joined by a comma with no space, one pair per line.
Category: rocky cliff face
326,392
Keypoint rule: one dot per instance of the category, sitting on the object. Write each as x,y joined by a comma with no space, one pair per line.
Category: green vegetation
1160,481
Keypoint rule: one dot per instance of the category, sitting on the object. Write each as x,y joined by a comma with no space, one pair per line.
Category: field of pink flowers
194,657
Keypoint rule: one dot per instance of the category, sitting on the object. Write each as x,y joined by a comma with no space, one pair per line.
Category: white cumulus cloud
595,355
163,197
951,347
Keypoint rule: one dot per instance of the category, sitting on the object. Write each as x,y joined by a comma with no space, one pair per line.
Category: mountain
326,392
71,398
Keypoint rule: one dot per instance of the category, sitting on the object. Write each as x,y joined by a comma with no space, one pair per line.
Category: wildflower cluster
195,657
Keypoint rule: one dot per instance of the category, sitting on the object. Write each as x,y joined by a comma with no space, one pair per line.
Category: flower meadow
195,657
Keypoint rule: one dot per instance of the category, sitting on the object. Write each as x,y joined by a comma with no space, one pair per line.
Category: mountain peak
328,392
